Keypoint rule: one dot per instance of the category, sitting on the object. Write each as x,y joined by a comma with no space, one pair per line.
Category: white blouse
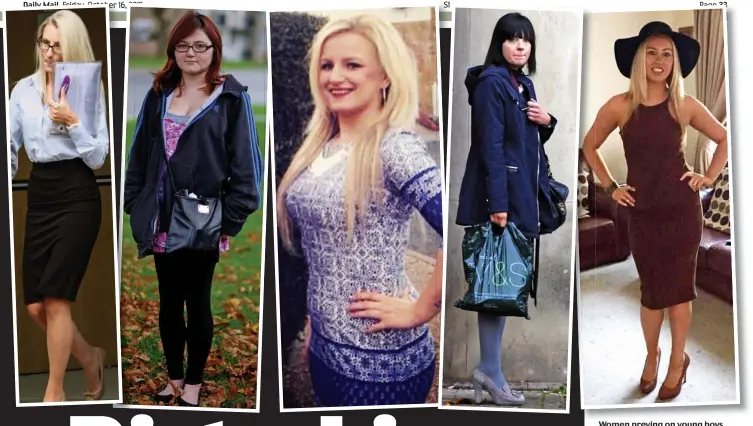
30,123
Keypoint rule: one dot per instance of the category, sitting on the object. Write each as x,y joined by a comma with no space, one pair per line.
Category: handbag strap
160,118
169,170
535,285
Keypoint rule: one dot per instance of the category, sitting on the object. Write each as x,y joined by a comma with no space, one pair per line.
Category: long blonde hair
638,91
400,109
74,42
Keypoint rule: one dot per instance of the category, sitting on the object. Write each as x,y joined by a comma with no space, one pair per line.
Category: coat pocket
141,216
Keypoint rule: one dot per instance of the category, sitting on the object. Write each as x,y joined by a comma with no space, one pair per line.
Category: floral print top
372,261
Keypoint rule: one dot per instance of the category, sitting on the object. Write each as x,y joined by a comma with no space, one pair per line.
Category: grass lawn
156,63
230,377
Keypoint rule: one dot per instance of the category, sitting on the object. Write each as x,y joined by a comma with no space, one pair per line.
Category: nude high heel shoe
97,394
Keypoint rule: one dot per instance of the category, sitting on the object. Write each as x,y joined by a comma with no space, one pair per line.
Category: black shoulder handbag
552,207
195,222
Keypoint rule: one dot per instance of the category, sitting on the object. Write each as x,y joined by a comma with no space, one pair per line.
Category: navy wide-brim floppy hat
688,49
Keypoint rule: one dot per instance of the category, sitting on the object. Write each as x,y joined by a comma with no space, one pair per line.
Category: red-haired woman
200,124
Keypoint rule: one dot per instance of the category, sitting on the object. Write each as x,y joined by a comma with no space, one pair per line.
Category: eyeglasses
45,46
198,48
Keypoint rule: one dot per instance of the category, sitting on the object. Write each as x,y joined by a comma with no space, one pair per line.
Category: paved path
139,81
534,399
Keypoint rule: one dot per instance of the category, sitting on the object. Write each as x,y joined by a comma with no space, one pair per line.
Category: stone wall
421,38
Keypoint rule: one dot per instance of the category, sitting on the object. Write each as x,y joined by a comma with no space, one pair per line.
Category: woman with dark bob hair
506,167
195,135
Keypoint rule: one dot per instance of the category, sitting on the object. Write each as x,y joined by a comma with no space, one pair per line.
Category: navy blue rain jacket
218,152
506,168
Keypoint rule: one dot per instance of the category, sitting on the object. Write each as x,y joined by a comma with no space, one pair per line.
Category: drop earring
384,95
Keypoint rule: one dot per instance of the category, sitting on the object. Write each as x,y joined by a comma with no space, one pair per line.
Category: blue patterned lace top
373,261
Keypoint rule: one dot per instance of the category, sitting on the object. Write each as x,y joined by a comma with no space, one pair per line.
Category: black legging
185,277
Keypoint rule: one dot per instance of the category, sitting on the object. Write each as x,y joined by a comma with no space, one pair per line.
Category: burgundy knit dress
666,223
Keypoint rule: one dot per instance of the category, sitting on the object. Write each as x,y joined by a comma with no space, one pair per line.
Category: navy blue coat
506,168
217,153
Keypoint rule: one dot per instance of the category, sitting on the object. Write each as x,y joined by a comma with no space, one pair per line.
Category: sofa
714,269
603,232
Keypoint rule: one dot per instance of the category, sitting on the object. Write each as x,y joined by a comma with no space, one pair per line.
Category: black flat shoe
163,398
183,403
168,398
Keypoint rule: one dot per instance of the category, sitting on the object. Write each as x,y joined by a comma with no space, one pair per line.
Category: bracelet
612,187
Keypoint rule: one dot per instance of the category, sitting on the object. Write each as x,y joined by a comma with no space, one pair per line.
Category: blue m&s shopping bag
499,270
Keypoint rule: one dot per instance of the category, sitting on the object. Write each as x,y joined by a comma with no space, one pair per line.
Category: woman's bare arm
702,120
607,120
395,312
430,302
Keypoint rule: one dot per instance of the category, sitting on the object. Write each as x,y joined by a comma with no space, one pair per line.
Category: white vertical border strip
10,210
730,161
575,267
446,201
445,191
265,248
575,231
112,213
115,223
576,238
277,247
123,144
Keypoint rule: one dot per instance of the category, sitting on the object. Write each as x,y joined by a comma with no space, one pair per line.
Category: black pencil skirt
62,225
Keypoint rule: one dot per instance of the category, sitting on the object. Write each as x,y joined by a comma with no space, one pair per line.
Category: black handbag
552,207
501,268
195,222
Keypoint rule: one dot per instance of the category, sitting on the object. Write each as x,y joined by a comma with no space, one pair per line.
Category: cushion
718,215
583,192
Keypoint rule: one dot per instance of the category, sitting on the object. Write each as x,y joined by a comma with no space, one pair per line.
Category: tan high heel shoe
668,393
97,394
648,386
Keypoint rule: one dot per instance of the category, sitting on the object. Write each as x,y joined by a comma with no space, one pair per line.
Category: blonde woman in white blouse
64,206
